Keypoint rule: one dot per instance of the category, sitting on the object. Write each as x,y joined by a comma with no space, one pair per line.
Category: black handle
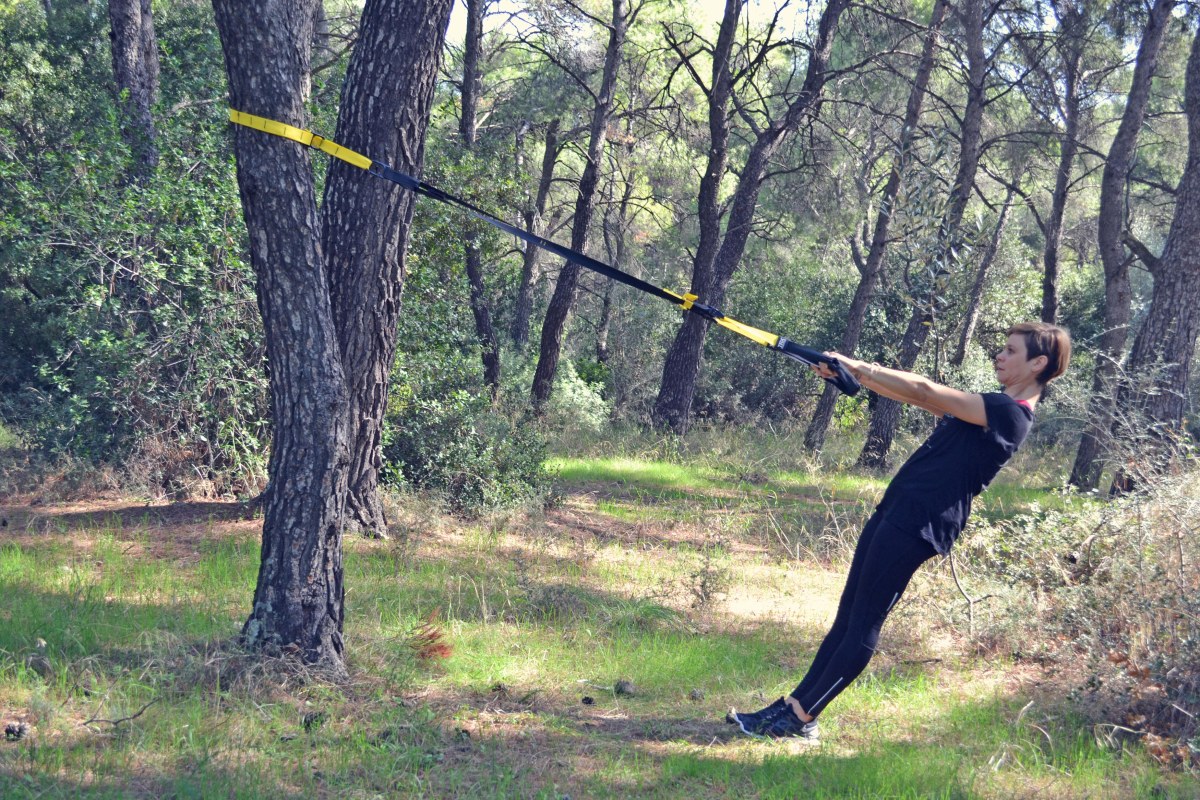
842,379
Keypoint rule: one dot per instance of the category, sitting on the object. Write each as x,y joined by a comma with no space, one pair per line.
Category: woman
923,510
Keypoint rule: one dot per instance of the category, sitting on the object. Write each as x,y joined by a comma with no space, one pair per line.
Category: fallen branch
116,722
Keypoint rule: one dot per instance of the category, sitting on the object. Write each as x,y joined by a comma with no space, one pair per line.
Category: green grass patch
143,694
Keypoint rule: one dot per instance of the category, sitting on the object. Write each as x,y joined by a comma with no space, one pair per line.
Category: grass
144,694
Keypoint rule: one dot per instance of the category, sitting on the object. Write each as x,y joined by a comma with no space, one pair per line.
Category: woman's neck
1029,392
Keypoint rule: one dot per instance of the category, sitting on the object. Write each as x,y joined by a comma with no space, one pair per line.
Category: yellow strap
762,337
310,139
306,138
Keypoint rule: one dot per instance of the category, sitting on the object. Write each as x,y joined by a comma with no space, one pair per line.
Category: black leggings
884,561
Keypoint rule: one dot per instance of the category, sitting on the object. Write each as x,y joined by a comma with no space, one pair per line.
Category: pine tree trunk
886,417
563,300
533,222
1085,473
971,317
385,108
472,261
136,71
1162,354
871,268
672,407
682,366
298,600
1075,21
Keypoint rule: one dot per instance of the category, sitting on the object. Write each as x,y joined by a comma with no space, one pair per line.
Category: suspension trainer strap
688,302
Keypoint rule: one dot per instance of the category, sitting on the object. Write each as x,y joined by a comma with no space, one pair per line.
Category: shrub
1112,586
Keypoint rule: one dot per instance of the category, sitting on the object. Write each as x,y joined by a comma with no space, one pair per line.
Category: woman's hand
853,365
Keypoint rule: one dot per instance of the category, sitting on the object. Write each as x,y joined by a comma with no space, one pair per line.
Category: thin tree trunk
673,404
563,299
682,365
870,269
385,107
1162,354
472,259
1074,24
886,417
533,222
614,245
298,599
136,71
971,318
1085,473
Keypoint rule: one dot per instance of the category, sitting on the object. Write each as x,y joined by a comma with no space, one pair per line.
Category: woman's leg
841,622
883,566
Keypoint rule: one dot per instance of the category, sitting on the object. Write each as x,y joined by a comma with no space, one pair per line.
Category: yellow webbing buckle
688,300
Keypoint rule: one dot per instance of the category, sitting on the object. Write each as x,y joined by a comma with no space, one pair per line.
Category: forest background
945,170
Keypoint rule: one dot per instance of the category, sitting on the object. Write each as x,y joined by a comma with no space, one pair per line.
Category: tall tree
870,267
468,129
533,214
298,599
1074,23
385,108
718,253
975,298
1112,226
566,288
1160,361
136,71
973,16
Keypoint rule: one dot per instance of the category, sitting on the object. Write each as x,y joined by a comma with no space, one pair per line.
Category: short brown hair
1044,339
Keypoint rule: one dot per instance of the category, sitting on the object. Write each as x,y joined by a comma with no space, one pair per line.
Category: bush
1114,587
458,446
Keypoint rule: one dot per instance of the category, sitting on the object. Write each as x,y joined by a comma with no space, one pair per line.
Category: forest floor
591,649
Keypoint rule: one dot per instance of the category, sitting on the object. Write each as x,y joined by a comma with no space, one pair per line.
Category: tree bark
1163,351
971,318
717,257
385,107
1085,472
1074,27
871,268
298,600
472,259
886,417
614,246
533,222
136,72
563,299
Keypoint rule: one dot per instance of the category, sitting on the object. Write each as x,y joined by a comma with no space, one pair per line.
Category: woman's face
1012,363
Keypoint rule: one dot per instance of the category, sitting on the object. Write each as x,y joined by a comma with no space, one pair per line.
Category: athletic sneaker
786,725
778,721
749,720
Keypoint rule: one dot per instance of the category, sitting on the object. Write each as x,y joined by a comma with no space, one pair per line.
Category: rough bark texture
298,600
365,222
971,318
711,273
886,416
533,222
870,268
1085,473
468,128
135,69
563,299
1162,354
1074,26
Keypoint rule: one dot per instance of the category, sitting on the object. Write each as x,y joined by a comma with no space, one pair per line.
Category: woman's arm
915,390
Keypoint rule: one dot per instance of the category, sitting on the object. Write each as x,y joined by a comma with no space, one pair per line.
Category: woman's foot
776,721
750,719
